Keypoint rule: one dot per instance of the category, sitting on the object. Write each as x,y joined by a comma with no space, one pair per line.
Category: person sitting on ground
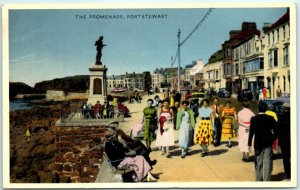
122,159
135,146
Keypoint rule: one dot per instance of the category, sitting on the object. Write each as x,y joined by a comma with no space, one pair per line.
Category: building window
273,37
275,58
283,28
261,63
228,72
278,35
284,86
289,29
217,75
269,37
270,60
286,55
236,69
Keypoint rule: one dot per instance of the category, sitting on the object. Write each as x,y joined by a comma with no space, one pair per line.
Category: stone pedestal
98,88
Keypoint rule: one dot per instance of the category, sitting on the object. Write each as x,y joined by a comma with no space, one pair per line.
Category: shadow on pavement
217,152
176,153
198,151
278,177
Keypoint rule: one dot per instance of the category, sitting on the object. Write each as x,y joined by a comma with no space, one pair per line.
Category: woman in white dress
165,129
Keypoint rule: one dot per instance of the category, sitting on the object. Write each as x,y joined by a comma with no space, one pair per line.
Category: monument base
98,89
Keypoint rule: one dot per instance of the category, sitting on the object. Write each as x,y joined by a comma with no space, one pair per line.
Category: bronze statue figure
100,45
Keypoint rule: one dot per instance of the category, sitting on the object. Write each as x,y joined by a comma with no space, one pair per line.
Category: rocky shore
32,161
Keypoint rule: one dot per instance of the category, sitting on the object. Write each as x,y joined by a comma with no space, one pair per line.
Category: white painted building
134,80
157,79
196,72
115,81
212,75
277,55
248,64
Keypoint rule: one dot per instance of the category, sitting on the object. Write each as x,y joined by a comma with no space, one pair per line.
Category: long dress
204,133
165,129
244,117
185,123
227,130
150,119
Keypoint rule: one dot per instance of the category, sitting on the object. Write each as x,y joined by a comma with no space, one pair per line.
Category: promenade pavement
223,164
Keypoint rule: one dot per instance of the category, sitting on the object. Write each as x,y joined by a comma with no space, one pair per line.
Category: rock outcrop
78,83
19,88
33,161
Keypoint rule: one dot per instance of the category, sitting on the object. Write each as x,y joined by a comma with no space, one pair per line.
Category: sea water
19,104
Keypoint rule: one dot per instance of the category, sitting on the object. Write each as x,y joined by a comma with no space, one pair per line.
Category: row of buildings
249,59
252,59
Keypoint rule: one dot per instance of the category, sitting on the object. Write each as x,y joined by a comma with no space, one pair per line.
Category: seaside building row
249,59
252,59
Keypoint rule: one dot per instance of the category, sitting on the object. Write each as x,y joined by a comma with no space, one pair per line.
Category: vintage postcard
190,95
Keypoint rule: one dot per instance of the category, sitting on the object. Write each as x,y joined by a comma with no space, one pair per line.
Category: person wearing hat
150,123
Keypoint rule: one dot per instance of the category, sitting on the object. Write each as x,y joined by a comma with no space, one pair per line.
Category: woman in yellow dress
204,133
228,115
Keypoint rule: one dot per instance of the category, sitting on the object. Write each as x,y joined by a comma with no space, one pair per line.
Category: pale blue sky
48,44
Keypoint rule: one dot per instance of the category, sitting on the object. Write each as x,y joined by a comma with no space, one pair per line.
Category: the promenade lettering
120,17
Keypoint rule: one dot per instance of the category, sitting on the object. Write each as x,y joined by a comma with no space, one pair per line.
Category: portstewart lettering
147,16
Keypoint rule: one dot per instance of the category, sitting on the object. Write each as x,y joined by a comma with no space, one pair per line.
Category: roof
115,77
198,67
217,56
242,42
191,65
284,19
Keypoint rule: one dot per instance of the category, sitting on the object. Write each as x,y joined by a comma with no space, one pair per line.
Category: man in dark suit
263,128
217,108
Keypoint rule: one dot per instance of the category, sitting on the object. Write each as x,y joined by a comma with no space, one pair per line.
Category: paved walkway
222,164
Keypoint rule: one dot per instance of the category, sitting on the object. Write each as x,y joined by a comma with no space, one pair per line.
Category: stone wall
76,95
55,95
78,152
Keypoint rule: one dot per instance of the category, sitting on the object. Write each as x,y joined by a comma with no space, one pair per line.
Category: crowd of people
105,110
204,124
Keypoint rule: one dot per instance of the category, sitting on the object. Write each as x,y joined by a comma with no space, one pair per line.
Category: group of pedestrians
98,110
213,123
204,129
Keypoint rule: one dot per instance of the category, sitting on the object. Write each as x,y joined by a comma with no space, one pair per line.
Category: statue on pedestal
99,44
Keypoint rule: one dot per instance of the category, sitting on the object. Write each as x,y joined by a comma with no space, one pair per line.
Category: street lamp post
178,35
171,72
